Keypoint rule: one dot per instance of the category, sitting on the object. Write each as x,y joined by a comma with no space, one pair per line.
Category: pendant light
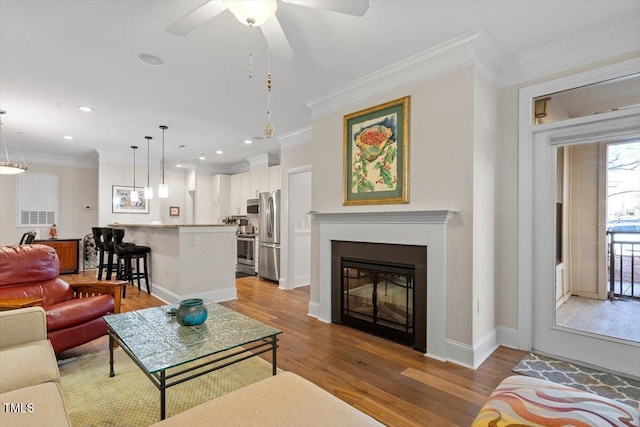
133,196
7,167
163,189
148,190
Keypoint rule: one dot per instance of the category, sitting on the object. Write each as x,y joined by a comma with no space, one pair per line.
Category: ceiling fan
255,13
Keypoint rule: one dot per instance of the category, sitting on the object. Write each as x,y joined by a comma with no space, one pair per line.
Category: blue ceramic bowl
191,312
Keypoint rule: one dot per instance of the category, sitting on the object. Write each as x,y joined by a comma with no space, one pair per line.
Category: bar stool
127,253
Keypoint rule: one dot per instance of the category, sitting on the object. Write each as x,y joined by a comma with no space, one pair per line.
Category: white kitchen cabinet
245,191
264,180
255,185
220,197
216,216
235,190
275,178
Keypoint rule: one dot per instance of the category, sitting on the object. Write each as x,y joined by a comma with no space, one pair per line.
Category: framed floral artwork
123,203
376,154
174,210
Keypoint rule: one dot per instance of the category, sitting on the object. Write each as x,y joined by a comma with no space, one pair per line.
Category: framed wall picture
122,202
174,210
376,154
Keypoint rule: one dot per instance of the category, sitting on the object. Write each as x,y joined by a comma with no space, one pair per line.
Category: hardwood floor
393,383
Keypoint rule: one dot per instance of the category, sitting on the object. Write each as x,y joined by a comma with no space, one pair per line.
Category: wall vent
37,199
37,217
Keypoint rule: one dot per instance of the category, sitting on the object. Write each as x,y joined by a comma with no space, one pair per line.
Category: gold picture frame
376,154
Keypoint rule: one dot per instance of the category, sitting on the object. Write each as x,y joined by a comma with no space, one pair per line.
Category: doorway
537,209
598,238
586,259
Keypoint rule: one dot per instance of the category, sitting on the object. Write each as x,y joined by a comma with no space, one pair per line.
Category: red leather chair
74,312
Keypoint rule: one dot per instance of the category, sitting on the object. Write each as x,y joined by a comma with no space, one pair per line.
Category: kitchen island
188,260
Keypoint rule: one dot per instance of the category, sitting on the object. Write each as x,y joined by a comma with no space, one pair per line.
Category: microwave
253,206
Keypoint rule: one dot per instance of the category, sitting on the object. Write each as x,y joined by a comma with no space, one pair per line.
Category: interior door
548,338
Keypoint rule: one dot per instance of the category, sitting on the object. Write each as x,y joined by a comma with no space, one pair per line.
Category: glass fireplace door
379,298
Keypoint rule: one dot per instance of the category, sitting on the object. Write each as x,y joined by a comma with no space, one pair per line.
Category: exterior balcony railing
624,264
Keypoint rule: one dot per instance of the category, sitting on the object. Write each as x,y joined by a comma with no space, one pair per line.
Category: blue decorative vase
191,312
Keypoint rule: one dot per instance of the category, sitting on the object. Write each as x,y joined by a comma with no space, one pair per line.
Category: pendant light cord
134,166
163,127
148,141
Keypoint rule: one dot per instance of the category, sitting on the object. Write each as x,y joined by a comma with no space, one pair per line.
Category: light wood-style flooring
391,382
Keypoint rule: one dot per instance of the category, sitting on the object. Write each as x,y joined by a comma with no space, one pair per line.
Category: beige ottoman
282,400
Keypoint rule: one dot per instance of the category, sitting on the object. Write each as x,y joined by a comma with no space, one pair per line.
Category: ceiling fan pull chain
251,51
268,131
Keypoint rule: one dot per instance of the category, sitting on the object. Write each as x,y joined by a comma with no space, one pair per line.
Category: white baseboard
470,356
301,281
484,347
507,337
314,309
460,354
173,298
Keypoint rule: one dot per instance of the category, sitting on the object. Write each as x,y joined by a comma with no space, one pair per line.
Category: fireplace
411,228
382,289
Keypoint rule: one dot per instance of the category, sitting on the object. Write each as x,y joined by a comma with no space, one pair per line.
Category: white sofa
30,392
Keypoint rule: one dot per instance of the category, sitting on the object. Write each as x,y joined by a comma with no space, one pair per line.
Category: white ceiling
56,55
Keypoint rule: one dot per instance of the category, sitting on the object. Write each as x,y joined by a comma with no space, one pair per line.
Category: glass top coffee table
156,342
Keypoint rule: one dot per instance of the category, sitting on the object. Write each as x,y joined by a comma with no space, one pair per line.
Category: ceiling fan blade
351,7
196,18
276,39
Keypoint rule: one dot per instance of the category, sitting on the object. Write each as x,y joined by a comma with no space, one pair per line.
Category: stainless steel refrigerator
269,235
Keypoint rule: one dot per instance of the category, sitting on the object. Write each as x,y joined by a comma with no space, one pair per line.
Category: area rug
129,398
601,383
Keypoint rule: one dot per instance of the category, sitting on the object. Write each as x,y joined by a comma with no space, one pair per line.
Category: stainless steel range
246,262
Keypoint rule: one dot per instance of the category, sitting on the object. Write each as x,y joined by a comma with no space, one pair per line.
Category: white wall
485,125
111,173
441,177
293,158
77,189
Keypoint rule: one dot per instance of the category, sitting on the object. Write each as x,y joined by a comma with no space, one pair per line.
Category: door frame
564,132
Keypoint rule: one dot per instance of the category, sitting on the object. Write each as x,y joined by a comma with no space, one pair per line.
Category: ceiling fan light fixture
251,12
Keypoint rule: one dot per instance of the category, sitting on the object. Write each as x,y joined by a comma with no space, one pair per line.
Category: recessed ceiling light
202,157
85,109
248,141
67,137
151,60
219,152
178,165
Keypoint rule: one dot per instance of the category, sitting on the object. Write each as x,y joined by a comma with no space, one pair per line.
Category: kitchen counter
188,260
116,224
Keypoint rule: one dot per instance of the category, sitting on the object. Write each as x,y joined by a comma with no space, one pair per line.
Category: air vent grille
37,217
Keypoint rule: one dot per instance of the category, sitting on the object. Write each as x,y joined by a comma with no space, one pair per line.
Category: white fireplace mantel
427,228
390,217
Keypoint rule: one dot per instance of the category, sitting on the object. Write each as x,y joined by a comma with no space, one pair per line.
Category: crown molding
85,160
298,137
472,48
475,48
576,51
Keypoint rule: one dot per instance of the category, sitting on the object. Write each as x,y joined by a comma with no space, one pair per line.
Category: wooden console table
68,251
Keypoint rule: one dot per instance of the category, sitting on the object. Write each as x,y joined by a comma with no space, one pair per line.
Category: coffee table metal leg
163,391
111,372
273,355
